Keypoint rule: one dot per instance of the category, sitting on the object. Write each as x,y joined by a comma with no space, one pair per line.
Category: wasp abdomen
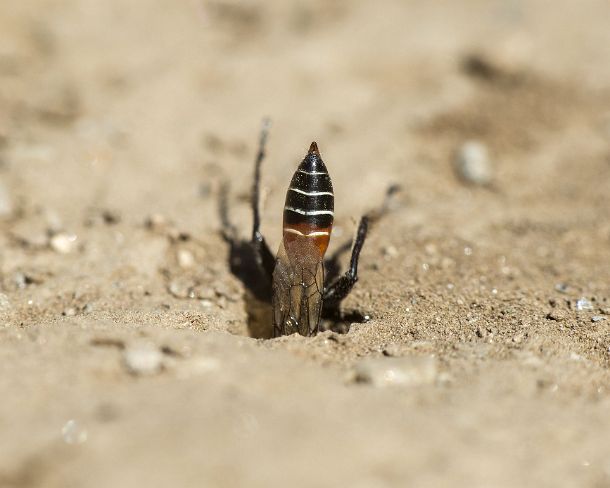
309,208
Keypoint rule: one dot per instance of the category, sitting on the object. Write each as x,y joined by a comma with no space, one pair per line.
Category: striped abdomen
309,209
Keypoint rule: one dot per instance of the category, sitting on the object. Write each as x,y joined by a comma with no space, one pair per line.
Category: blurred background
123,334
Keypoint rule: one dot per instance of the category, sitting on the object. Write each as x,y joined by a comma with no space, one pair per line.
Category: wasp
300,294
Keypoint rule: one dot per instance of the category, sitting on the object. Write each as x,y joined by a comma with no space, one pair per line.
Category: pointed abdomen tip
313,149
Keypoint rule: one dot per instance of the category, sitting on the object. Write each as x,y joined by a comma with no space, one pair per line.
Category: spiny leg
332,266
338,289
264,257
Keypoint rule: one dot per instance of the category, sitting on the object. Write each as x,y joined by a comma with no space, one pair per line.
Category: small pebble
393,350
404,371
69,312
181,288
185,258
20,280
155,221
31,277
562,287
63,243
583,304
518,339
597,318
143,359
73,432
557,315
390,252
161,225
472,163
501,62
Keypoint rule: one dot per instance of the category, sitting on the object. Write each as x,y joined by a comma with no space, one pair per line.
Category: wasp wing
298,283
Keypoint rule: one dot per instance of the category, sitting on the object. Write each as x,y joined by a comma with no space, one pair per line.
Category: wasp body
294,281
298,277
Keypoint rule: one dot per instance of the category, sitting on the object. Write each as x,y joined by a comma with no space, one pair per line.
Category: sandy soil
124,343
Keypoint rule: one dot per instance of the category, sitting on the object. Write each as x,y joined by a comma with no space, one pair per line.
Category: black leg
264,257
332,267
340,288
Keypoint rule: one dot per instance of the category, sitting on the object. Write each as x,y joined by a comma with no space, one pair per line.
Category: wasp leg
264,257
340,288
332,266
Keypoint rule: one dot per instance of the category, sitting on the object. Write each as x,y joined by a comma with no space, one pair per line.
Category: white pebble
69,312
63,243
73,432
472,163
402,371
186,259
143,358
583,304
